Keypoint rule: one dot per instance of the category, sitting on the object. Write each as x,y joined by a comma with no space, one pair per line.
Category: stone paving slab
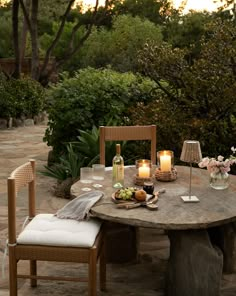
144,279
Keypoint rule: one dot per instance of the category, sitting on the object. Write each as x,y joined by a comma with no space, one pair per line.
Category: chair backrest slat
22,176
125,133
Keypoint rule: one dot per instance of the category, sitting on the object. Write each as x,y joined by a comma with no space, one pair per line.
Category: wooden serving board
153,198
118,201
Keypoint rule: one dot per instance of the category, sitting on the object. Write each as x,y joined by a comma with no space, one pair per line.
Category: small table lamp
191,152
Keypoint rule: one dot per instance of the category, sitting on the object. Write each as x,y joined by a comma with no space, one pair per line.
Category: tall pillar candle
144,171
165,163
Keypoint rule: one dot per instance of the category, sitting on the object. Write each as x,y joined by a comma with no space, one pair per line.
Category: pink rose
220,158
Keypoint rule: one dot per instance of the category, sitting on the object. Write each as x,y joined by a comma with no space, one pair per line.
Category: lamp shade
191,151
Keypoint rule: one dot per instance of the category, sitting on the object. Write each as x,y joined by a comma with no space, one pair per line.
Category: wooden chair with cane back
48,238
116,233
127,133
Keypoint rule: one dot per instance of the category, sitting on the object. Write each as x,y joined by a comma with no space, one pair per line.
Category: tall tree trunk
24,32
15,11
34,41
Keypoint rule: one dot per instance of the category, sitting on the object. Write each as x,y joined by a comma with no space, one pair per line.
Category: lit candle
165,162
144,171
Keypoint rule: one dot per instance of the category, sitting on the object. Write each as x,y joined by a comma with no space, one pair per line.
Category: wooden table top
216,207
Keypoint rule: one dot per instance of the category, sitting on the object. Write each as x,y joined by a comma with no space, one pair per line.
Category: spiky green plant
68,167
88,146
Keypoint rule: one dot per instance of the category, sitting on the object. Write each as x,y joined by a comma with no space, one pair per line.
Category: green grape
126,193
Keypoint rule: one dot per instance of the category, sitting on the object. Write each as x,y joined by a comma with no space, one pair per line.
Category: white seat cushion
47,229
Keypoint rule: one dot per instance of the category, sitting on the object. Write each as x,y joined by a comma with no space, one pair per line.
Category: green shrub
20,97
90,98
68,166
28,96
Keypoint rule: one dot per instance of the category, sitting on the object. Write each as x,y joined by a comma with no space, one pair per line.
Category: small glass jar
144,168
148,187
165,160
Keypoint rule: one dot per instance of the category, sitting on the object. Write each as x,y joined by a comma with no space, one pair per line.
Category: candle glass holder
165,166
144,172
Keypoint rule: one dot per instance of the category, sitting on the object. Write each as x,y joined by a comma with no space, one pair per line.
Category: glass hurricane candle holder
165,160
144,173
165,166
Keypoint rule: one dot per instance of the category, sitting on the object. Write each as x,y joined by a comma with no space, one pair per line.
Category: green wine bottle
118,169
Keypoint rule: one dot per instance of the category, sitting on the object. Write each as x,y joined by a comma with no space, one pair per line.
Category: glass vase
219,180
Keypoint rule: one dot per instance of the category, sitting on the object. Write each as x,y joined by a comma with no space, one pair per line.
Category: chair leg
92,270
12,273
102,267
33,271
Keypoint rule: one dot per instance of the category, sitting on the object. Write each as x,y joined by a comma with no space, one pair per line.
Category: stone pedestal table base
195,265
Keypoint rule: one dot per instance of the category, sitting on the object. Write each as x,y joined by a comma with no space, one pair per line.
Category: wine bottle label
118,176
118,172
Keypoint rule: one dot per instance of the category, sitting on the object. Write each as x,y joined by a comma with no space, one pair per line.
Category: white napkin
78,208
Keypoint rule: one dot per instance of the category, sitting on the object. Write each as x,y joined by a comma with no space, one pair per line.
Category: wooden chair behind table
127,133
117,233
60,240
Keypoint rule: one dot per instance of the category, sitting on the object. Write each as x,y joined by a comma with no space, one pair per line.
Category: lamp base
191,198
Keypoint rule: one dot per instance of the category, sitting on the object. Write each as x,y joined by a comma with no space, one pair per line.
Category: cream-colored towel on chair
78,208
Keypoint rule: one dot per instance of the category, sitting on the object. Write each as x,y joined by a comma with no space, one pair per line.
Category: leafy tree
6,48
197,100
184,31
157,12
58,52
227,10
31,16
119,46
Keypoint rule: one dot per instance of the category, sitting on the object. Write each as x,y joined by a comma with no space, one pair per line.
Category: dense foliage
6,46
119,46
20,98
198,100
91,97
192,89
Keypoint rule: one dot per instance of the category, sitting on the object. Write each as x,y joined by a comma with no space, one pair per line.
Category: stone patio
146,278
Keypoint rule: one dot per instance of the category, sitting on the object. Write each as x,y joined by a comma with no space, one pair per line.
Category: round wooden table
201,234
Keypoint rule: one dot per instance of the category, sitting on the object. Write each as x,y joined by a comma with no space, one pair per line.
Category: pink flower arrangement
218,165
